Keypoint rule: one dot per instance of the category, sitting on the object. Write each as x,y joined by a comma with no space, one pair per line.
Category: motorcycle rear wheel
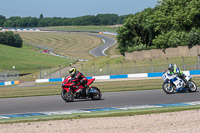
67,96
193,87
96,96
168,88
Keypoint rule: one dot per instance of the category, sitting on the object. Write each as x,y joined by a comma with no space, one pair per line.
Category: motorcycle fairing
90,81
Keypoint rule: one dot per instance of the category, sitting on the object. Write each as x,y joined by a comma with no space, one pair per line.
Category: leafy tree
100,19
171,39
175,20
2,20
180,15
11,22
194,37
106,19
41,16
42,23
137,30
11,39
121,19
171,23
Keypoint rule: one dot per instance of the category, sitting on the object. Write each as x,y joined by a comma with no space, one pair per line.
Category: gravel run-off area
173,122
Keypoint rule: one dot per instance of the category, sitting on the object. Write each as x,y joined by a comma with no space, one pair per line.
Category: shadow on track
84,100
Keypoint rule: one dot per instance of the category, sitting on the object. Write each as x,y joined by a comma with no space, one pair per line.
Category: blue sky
71,8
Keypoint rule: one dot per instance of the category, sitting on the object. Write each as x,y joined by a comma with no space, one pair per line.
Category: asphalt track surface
111,99
107,42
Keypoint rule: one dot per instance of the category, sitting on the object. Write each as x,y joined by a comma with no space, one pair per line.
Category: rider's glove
176,73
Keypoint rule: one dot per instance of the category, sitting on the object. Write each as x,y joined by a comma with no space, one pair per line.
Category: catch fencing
134,69
106,69
9,75
150,66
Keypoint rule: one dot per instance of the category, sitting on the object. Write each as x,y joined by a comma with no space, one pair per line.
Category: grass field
72,45
84,28
28,59
46,89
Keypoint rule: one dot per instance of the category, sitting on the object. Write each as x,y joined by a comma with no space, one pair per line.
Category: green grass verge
45,89
28,59
98,114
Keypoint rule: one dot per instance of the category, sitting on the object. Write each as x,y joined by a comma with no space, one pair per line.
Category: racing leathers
79,80
179,73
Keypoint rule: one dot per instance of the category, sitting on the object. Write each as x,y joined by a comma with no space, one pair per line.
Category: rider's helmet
170,67
72,71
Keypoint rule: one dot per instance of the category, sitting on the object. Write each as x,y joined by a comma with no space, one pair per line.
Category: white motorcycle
172,83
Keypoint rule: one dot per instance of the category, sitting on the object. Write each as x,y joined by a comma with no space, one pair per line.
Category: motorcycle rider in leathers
78,79
174,70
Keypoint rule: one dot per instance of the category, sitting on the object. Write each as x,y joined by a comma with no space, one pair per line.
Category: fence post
151,65
60,70
122,69
5,76
135,66
18,75
107,68
183,63
167,61
9,74
81,67
94,68
50,71
199,61
40,73
14,71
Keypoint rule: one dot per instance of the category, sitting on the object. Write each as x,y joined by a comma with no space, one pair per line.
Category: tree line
100,19
171,23
11,39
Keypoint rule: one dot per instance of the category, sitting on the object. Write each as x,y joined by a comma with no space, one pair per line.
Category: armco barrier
107,77
10,83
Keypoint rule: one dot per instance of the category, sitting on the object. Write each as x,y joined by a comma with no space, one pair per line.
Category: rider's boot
87,88
186,83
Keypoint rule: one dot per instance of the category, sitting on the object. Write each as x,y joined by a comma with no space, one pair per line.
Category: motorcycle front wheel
192,86
97,95
168,88
67,96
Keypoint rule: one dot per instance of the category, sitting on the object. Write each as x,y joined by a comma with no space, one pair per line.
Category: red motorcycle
71,92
